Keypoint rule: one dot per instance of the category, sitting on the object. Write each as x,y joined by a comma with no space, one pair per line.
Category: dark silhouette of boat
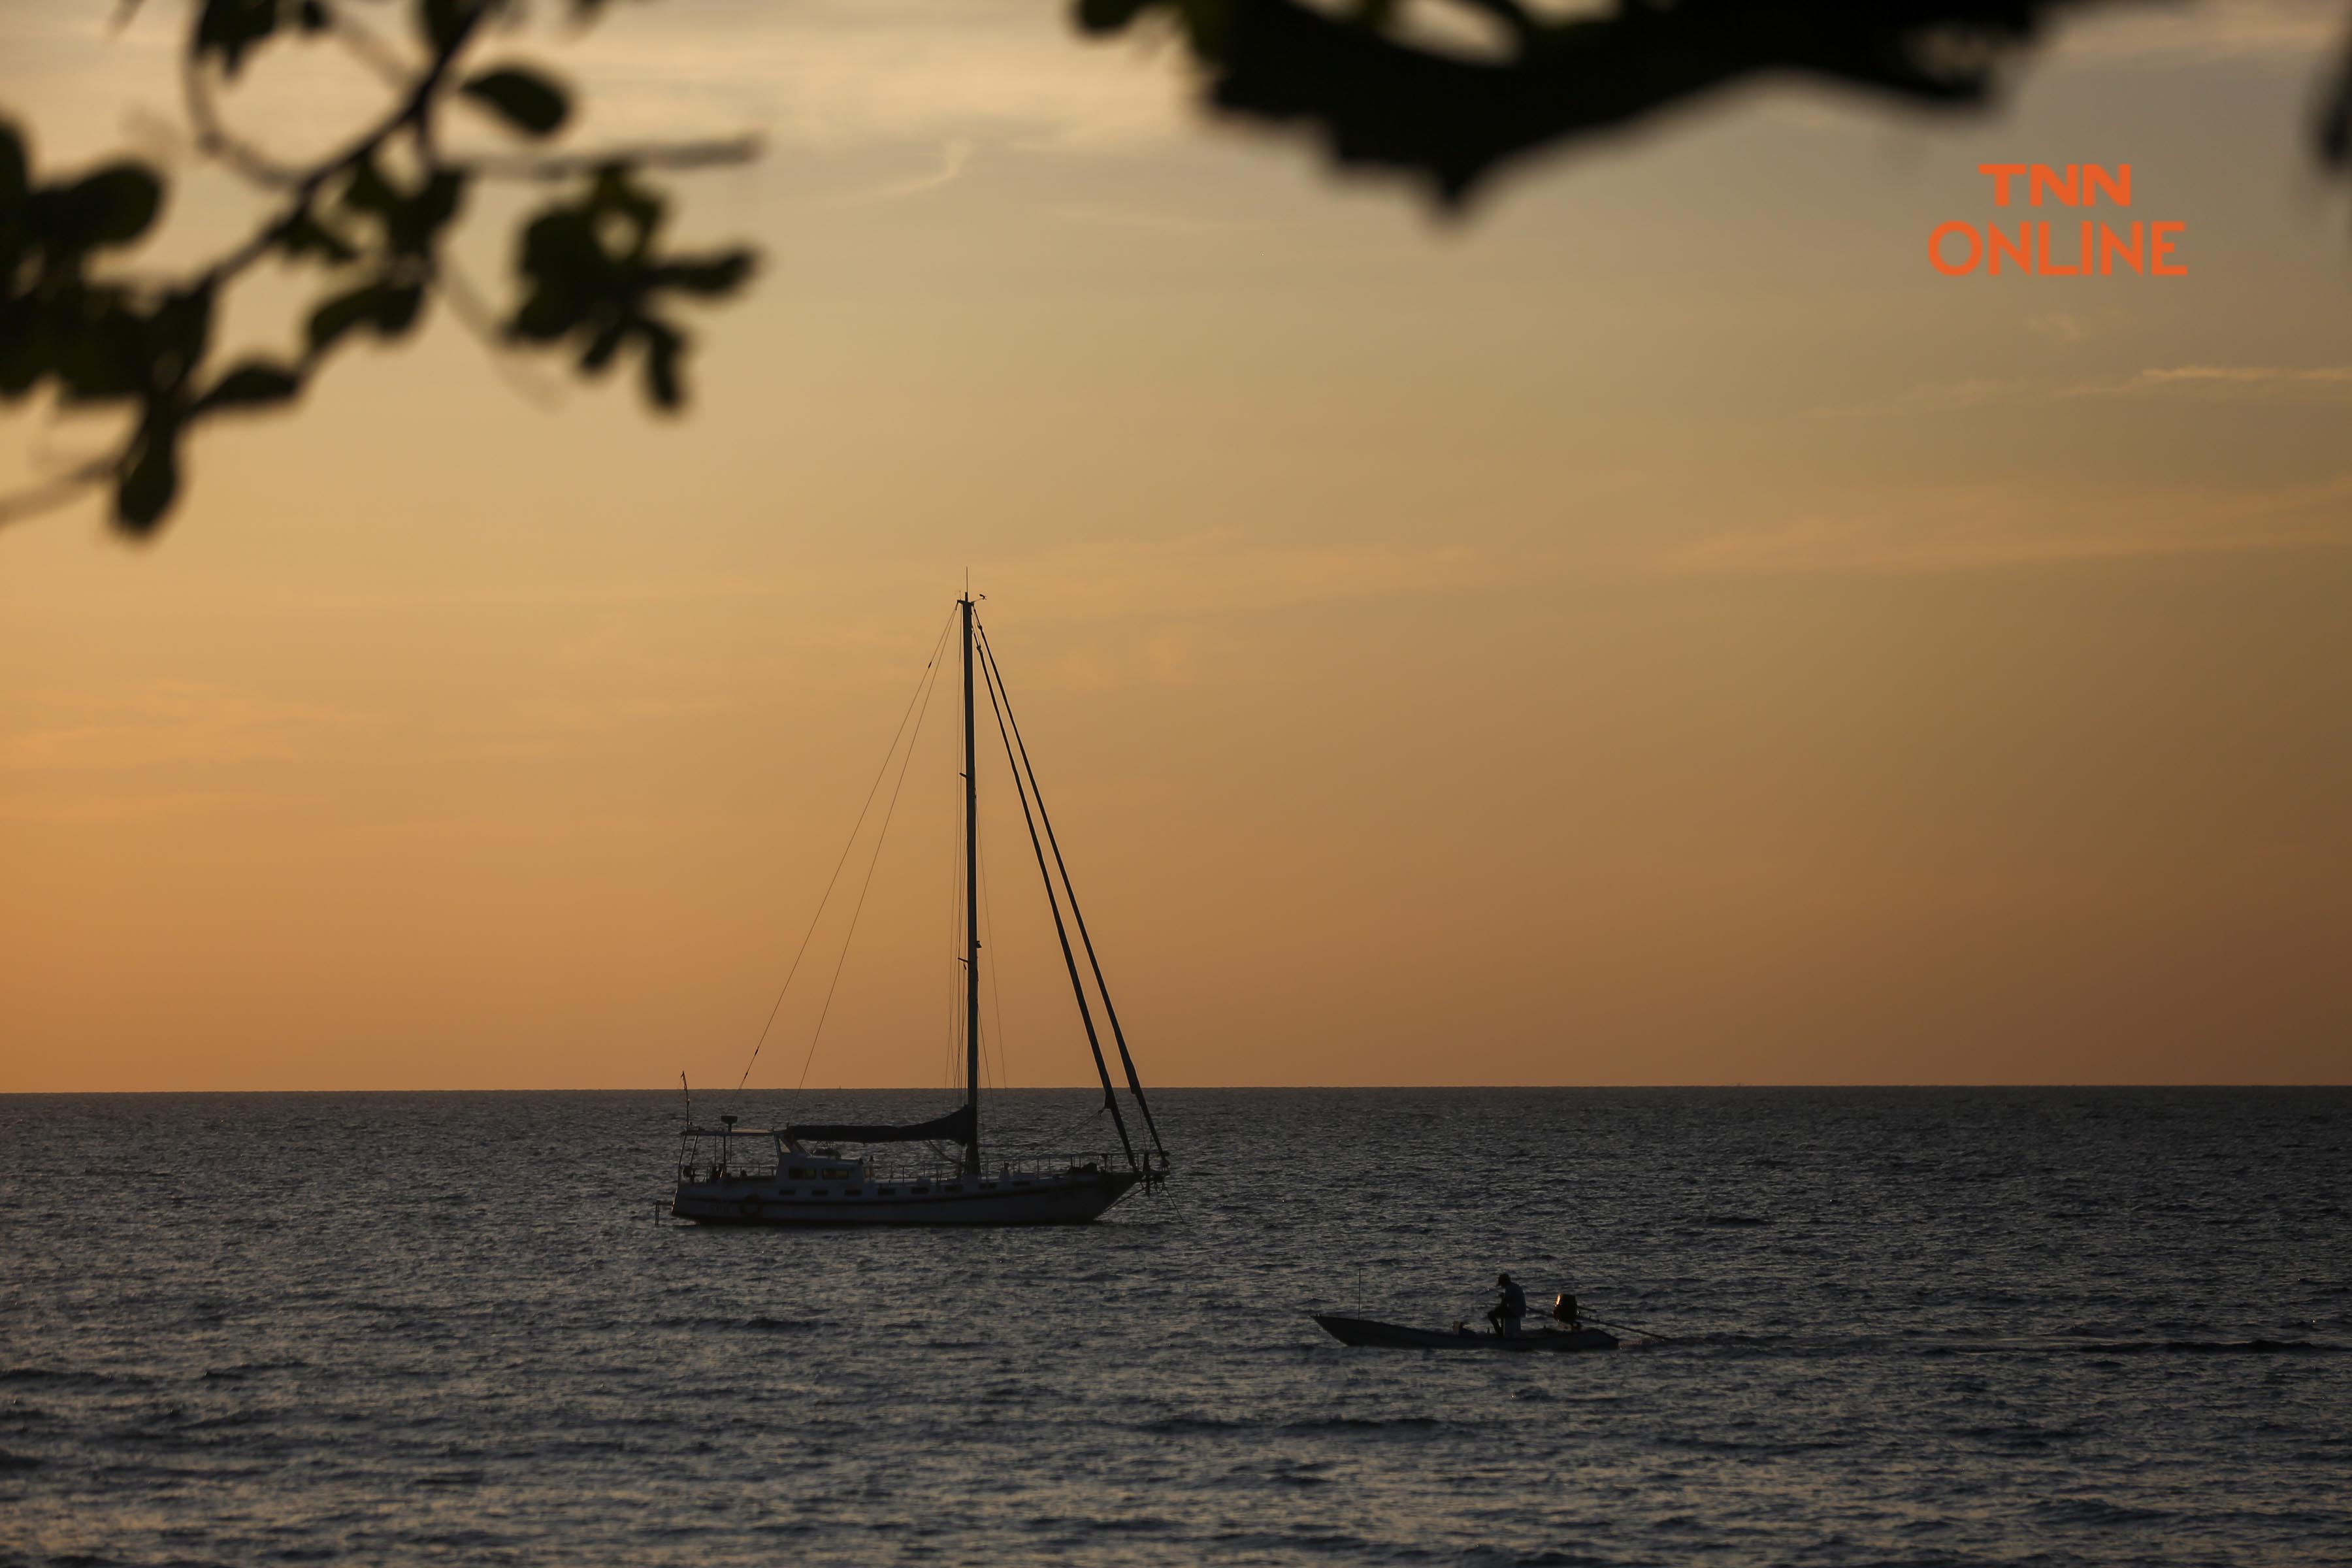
1396,1337
779,1176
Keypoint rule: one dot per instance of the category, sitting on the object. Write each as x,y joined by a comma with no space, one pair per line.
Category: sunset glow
1651,629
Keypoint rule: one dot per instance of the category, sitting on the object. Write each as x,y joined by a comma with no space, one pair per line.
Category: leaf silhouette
525,99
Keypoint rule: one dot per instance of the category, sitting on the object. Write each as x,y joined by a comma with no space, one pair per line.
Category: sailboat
843,1173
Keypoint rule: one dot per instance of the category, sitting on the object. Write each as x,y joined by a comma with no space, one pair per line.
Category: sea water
1906,1326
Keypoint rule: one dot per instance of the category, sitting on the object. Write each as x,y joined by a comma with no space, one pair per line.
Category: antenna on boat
689,1099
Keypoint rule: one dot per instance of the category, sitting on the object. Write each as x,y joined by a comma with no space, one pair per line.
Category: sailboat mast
970,909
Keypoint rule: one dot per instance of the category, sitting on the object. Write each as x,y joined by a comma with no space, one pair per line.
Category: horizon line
1222,1089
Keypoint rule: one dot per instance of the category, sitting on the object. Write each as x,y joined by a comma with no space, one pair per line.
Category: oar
1629,1328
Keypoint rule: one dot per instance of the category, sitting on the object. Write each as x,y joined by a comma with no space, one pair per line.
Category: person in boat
1510,1309
1563,1311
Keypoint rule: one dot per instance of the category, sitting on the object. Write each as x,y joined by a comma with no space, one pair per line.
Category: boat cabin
729,1152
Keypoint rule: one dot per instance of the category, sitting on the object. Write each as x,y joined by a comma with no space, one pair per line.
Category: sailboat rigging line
1069,960
1117,1035
921,680
865,886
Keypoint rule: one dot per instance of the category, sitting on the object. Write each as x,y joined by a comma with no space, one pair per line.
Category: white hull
1071,1198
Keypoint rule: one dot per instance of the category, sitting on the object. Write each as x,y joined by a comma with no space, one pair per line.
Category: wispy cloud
1995,528
163,724
1107,613
2321,384
844,73
2060,326
2208,30
156,749
834,75
1145,609
2211,383
1224,571
1155,221
953,156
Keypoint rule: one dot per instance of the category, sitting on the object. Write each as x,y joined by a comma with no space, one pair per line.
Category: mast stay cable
865,888
920,682
1069,959
1134,1080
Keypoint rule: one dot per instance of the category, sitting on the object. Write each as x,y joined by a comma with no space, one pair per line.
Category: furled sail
960,1125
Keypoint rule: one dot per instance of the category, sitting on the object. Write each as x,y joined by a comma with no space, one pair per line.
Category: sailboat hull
1073,1199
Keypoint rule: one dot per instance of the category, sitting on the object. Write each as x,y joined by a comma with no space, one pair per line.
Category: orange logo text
2044,248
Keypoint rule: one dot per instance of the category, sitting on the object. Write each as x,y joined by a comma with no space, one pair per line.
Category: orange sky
1657,631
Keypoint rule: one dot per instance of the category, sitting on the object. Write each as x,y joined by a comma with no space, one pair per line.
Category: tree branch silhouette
1453,118
593,280
373,218
1381,97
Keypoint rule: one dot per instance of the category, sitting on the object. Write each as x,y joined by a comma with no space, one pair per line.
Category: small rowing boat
1394,1336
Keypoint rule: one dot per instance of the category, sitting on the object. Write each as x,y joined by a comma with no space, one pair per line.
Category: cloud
1153,222
835,74
164,724
1099,614
2315,384
1995,528
2200,382
1222,572
2060,327
2207,30
828,75
1147,611
953,156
